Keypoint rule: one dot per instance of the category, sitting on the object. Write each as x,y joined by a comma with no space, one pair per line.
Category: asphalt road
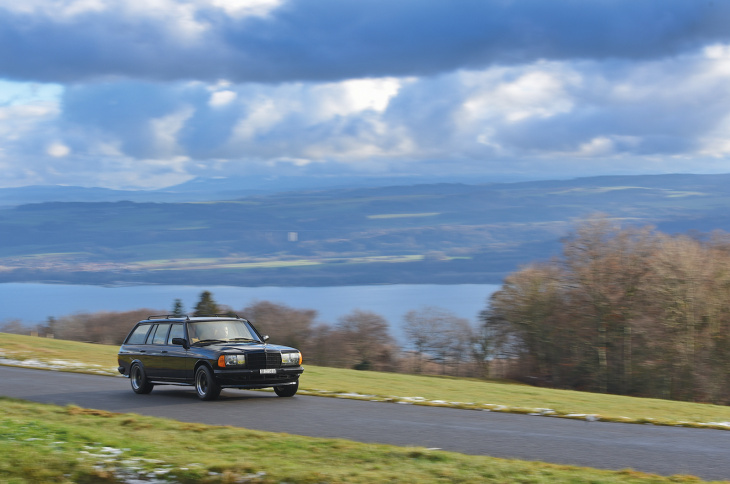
661,450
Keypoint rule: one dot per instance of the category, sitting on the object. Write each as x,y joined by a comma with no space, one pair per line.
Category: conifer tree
178,310
207,305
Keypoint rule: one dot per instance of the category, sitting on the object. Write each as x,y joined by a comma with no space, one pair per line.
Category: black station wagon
210,353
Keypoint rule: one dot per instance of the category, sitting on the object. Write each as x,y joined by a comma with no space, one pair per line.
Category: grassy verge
44,443
59,354
515,398
408,389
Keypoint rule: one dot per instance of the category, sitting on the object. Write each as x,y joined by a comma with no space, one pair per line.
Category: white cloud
165,131
264,114
353,96
58,150
178,10
59,8
22,123
245,8
291,161
716,143
540,91
16,118
221,98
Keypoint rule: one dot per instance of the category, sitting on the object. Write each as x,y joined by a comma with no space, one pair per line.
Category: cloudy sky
141,94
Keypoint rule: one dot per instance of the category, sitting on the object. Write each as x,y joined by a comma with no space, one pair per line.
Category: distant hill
208,189
446,233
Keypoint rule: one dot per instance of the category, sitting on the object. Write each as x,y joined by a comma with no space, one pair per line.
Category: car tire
205,384
287,390
139,381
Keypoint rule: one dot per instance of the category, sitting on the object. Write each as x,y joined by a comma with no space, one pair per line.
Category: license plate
271,371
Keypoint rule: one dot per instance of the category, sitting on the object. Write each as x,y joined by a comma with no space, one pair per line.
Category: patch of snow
719,424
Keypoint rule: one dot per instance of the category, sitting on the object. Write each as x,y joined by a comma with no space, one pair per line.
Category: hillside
433,233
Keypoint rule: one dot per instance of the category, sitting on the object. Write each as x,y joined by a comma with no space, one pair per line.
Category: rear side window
161,334
138,335
176,332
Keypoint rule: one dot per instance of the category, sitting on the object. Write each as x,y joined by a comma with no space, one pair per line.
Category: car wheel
287,390
205,384
139,381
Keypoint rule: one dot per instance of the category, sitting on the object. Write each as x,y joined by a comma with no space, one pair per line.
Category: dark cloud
334,39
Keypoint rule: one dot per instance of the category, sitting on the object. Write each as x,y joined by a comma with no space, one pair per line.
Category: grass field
44,443
406,389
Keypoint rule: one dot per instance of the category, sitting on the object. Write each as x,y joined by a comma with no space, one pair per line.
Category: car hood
246,347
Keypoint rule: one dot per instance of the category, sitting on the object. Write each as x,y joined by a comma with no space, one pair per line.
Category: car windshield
226,331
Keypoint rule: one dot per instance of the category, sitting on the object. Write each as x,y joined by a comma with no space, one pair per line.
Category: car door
155,361
177,364
135,347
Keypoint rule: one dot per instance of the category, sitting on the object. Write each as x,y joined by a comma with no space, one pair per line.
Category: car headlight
291,358
231,360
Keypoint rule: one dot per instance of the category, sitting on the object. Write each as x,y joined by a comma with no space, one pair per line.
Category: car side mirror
180,342
265,338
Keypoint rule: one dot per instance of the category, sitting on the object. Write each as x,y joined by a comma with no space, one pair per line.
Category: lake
34,303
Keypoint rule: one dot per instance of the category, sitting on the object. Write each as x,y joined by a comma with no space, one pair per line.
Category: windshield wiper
209,341
245,339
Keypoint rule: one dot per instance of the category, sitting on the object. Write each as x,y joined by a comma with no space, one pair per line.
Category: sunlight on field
675,194
403,215
230,263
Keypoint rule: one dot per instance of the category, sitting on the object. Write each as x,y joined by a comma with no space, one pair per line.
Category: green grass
44,443
418,390
510,397
93,357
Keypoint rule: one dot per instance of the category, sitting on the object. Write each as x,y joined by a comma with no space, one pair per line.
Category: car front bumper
244,378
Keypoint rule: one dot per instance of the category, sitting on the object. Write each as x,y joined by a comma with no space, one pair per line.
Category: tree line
439,341
629,311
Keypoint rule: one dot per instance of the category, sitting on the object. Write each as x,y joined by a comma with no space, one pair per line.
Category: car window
151,334
161,334
138,335
175,332
226,330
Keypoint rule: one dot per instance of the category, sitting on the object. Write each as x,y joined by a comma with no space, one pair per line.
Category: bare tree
285,325
605,268
13,326
100,327
368,340
421,326
493,341
534,302
437,334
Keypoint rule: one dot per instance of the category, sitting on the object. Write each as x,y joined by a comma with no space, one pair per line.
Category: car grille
262,360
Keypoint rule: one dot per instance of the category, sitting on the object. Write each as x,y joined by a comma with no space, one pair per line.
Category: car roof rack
186,316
